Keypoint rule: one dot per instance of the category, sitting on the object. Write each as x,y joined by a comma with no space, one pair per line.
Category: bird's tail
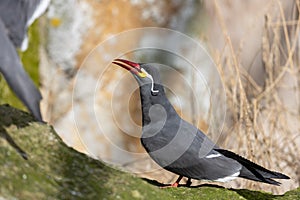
253,171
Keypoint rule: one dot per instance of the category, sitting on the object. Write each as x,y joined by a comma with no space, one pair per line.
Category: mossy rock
55,171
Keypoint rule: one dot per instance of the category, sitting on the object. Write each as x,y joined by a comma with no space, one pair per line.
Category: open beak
130,66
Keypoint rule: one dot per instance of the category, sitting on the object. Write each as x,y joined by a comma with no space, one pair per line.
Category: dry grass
265,118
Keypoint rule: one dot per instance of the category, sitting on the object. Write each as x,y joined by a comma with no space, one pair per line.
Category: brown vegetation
263,119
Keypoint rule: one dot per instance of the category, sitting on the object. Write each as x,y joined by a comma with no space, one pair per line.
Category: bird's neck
162,105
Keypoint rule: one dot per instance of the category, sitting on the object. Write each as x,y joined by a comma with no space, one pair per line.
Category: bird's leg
176,183
189,182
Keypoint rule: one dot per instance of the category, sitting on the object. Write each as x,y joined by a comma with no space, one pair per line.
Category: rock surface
55,171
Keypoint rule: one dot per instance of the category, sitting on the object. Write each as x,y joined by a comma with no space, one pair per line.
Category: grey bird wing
201,161
18,15
190,153
254,171
15,75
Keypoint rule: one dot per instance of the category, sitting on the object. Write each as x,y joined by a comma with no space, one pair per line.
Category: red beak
130,66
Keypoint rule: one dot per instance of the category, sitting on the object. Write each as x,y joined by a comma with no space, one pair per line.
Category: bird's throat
155,107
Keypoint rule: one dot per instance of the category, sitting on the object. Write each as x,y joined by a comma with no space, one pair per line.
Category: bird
15,18
178,146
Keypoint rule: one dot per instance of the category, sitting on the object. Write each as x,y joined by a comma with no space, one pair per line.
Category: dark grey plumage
18,15
180,147
15,17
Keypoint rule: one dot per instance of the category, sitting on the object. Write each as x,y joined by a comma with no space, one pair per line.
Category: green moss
290,195
30,60
55,171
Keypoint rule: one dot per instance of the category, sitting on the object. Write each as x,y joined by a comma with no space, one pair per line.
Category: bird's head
145,74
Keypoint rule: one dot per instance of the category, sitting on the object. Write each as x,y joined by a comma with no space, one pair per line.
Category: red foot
174,184
170,186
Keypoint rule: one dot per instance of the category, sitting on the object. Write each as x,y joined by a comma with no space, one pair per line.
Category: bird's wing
254,171
16,77
18,15
36,8
201,161
215,168
183,149
14,20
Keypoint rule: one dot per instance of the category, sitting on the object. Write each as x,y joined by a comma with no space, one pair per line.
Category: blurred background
253,44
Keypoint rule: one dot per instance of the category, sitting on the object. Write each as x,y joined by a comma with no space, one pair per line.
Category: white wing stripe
213,155
228,178
40,9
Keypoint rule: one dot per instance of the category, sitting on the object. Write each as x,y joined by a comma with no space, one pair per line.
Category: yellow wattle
142,74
